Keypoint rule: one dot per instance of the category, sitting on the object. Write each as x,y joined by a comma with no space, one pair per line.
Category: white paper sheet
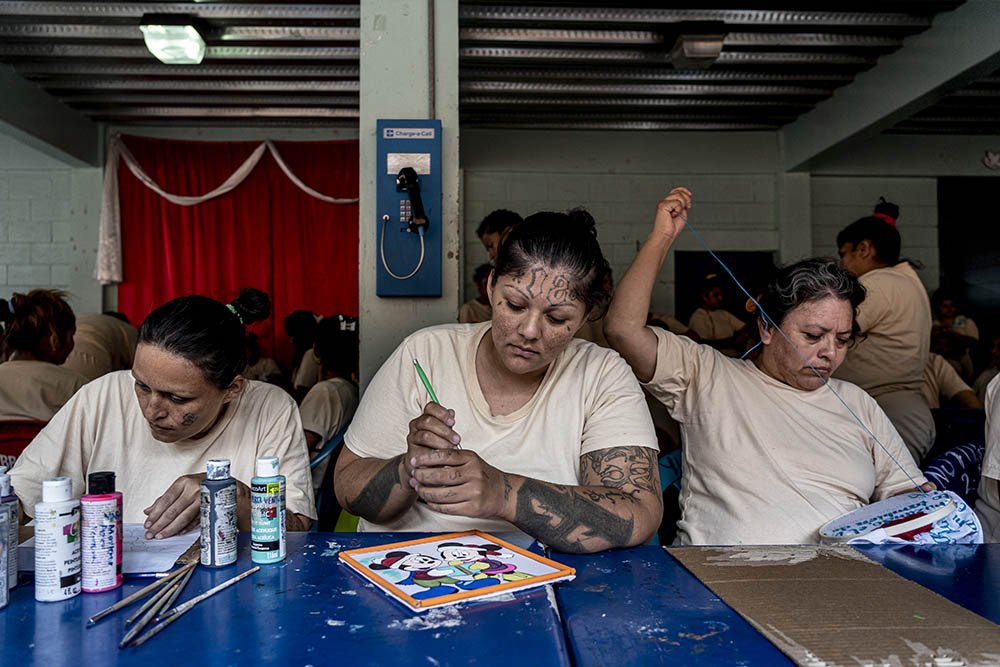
140,555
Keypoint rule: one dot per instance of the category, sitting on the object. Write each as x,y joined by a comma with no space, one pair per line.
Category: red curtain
266,233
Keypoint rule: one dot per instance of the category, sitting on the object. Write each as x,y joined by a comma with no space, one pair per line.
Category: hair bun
252,305
582,219
886,208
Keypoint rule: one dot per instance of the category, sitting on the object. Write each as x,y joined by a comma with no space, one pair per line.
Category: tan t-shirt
35,389
588,400
765,463
308,372
988,503
101,344
326,408
941,381
102,428
715,324
472,312
265,370
895,318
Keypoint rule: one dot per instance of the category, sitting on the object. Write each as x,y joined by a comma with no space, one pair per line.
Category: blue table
309,610
641,607
968,575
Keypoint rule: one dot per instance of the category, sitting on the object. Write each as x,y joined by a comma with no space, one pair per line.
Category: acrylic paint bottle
57,542
218,515
9,504
267,512
4,559
101,518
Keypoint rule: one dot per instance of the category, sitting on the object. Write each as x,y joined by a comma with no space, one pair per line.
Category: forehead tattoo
538,276
559,293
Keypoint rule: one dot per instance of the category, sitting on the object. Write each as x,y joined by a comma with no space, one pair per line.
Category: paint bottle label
267,519
57,552
218,525
102,547
4,556
9,505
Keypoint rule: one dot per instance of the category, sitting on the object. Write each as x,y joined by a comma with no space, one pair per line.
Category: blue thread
770,322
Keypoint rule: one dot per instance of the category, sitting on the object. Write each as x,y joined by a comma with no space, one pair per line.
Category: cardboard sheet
829,606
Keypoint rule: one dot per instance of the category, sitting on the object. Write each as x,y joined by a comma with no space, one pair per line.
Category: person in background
962,330
942,385
984,378
536,431
988,500
331,402
34,384
889,358
183,403
300,326
102,343
770,453
5,315
714,325
478,309
263,369
492,228
671,324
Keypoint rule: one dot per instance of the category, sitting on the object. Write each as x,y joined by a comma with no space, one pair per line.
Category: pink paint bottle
101,511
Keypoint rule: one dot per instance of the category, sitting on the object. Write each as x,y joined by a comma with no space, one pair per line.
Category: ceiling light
696,51
174,39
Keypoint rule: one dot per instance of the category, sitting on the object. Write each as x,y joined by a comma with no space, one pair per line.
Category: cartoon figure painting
429,573
480,560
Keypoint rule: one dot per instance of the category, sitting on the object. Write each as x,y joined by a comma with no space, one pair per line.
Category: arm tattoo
566,520
627,469
375,495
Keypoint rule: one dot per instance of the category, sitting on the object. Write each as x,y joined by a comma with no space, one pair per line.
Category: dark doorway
969,250
752,269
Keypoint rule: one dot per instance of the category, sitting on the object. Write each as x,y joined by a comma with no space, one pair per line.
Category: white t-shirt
588,400
765,463
326,408
266,369
988,503
101,344
941,381
102,428
309,370
35,390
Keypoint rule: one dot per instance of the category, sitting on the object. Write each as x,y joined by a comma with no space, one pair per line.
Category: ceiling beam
33,117
960,47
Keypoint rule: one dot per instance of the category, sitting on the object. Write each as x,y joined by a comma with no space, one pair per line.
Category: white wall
48,225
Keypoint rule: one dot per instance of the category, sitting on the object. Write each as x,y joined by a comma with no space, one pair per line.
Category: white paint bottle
4,559
218,515
9,507
267,512
57,542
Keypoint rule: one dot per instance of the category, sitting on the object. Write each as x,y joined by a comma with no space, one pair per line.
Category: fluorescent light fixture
696,51
173,39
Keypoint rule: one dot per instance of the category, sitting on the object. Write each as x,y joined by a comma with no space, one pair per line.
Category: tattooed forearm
373,498
565,519
627,469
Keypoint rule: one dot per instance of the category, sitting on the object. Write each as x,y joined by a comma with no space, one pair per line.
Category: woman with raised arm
770,453
536,430
184,402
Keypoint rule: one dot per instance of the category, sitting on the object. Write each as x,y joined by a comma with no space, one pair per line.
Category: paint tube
267,512
101,517
57,542
218,515
9,506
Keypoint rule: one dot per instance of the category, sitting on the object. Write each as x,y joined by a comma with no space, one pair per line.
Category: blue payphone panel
408,208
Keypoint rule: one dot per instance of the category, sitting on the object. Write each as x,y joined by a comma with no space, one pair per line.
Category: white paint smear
780,555
445,617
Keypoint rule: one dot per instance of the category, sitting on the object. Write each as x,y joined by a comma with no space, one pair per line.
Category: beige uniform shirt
472,312
941,381
35,390
101,344
988,503
102,428
588,400
326,408
765,463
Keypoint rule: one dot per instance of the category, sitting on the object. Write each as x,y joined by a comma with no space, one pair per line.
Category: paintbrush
182,609
160,602
142,592
178,589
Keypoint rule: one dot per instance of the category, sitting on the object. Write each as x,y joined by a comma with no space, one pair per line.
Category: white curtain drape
109,249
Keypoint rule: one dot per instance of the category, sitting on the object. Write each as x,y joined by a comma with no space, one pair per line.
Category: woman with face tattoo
535,431
183,402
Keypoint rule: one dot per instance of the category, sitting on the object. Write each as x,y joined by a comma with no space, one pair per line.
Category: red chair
14,437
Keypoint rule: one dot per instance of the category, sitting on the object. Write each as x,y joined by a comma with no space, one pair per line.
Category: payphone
408,208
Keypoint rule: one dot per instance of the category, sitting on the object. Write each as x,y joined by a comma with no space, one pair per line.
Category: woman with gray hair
770,452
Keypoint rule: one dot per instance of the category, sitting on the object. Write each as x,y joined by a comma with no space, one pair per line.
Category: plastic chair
958,470
327,507
14,437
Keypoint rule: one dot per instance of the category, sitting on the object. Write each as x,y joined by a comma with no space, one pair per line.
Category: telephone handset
407,181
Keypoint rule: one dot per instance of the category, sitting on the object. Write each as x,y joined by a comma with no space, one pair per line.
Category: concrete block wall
840,200
48,225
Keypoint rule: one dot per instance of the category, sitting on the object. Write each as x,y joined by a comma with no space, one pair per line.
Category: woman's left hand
453,481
